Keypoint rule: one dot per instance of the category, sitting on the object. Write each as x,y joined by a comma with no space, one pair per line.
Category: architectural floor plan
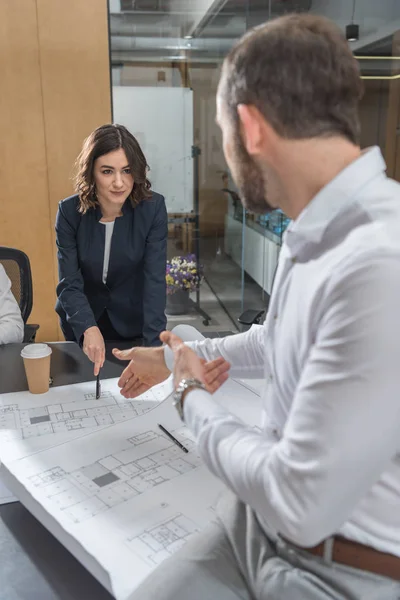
87,413
128,484
67,412
105,480
146,460
160,541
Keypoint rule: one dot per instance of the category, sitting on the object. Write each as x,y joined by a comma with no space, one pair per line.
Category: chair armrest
251,316
30,333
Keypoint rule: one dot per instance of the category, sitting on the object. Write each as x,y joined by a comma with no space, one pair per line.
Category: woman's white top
107,247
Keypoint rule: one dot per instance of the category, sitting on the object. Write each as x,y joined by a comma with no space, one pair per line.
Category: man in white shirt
11,323
316,493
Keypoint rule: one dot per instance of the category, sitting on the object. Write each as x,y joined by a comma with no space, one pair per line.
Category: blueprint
128,484
142,461
63,413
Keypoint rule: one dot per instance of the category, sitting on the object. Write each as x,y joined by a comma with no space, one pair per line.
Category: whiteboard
161,118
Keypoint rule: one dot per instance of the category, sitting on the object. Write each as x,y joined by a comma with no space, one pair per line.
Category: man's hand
93,347
146,368
187,365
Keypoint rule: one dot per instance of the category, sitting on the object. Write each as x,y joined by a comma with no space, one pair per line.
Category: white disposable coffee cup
37,367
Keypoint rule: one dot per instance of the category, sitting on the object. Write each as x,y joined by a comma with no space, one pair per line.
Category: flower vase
178,302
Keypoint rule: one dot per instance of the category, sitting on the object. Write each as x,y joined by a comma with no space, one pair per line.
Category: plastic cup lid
36,351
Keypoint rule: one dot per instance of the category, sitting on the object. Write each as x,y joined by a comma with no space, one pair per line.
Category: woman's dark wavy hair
103,140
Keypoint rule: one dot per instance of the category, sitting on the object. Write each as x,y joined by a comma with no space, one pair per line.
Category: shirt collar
126,208
337,196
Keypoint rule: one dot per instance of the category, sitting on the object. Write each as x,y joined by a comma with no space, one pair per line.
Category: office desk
33,564
68,365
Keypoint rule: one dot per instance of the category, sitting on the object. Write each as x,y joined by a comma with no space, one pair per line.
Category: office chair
18,269
256,316
236,203
252,317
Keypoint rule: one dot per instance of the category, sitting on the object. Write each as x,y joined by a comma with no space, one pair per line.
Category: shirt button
294,259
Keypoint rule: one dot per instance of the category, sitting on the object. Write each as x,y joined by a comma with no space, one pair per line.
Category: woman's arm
154,293
70,290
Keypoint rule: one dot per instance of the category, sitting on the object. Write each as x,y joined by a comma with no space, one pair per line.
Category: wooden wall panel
55,82
24,200
74,57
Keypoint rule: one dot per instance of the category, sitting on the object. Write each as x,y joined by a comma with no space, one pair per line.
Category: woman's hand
93,347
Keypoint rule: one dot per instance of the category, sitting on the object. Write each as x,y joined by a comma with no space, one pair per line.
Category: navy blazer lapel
96,236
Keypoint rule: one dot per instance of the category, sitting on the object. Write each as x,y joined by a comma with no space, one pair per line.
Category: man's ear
250,127
255,130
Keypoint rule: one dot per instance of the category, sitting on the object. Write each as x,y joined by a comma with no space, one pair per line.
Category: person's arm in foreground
344,421
11,323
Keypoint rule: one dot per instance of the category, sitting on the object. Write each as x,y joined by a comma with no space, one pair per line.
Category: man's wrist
185,385
189,389
188,377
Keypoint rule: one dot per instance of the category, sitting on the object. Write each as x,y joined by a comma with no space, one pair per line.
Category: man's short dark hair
299,71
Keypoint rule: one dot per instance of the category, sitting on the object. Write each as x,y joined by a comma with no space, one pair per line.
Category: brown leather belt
358,556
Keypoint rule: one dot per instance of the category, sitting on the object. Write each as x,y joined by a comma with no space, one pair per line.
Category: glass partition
166,57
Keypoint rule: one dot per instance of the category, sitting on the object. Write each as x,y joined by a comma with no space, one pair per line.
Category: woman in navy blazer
112,241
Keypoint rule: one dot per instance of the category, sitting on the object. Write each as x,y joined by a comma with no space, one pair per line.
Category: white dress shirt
109,225
11,323
328,457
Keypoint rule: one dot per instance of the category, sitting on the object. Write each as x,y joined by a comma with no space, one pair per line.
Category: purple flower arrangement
183,273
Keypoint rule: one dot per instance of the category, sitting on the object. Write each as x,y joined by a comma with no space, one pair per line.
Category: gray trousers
233,559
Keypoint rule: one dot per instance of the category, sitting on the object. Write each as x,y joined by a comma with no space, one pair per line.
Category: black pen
98,386
171,437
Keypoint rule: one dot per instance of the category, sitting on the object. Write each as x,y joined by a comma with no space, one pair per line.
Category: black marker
171,437
98,386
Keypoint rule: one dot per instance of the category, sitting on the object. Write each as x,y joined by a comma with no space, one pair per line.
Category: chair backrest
18,268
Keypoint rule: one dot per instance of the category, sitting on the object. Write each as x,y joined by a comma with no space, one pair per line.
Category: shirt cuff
169,358
169,355
80,328
199,408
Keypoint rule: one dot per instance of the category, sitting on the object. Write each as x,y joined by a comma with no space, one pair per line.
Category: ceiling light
352,32
188,37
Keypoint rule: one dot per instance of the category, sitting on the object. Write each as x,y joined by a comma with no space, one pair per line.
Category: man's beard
249,179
